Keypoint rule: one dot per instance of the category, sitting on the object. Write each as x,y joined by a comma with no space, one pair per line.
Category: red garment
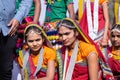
114,64
101,21
41,73
80,71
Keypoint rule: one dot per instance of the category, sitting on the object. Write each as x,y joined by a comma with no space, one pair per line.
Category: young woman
114,51
80,57
38,61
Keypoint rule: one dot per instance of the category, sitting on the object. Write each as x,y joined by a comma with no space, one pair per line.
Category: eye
112,36
60,35
37,39
67,33
30,41
118,36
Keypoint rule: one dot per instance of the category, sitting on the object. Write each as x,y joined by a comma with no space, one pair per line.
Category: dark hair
66,23
116,26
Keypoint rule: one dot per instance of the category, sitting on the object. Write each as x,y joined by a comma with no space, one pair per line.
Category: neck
116,48
34,52
71,47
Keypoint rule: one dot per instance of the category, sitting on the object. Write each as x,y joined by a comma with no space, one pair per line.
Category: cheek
29,44
40,43
60,38
72,37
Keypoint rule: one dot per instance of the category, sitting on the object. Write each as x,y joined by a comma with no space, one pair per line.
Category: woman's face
115,39
66,36
34,41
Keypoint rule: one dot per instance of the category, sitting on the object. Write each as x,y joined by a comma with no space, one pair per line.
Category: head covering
82,35
47,42
116,27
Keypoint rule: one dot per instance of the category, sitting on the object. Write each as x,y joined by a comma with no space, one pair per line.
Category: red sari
80,71
42,73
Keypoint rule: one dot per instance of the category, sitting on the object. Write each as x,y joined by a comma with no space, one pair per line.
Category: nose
63,37
116,37
34,43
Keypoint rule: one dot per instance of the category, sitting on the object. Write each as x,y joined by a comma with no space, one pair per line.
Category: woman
38,61
80,57
114,51
95,20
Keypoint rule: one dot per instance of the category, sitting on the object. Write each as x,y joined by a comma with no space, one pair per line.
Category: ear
43,39
76,33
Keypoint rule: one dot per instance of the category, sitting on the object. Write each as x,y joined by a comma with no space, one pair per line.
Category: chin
66,44
35,49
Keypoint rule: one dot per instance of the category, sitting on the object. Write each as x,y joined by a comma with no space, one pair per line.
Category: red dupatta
42,73
114,64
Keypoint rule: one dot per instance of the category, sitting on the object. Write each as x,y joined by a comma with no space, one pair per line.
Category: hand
104,42
14,23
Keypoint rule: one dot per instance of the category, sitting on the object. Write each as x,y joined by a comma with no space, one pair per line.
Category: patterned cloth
56,10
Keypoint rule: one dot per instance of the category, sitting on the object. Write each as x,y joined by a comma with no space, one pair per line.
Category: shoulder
85,45
49,50
85,49
102,1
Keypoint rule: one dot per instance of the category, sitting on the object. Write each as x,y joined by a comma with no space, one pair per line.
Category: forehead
115,32
33,36
63,29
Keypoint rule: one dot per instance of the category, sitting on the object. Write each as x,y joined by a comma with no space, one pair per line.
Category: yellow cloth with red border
48,55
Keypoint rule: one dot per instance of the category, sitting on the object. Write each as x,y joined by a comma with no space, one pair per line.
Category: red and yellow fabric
114,62
80,71
81,6
48,55
116,10
84,51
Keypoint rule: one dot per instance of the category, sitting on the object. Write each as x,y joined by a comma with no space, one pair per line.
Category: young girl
79,55
32,17
114,51
38,61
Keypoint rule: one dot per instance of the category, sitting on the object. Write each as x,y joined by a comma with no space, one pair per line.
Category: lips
65,42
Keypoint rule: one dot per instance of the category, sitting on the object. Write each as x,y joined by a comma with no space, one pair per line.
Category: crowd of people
71,44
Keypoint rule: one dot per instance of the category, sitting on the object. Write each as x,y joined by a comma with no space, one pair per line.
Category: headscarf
47,42
116,27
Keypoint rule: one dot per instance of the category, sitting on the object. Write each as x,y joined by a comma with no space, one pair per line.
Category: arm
37,11
21,13
106,16
50,71
71,11
93,66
